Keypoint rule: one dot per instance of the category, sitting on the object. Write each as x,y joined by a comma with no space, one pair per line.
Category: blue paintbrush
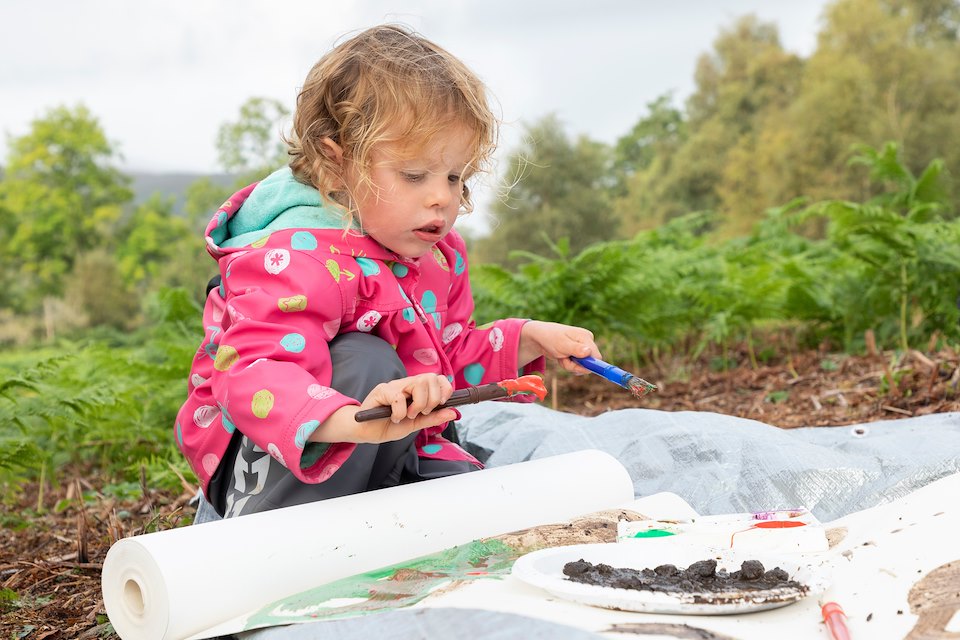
637,386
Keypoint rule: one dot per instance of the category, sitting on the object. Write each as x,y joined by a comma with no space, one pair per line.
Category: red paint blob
779,524
525,384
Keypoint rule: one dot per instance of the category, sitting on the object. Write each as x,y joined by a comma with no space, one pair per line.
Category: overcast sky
161,77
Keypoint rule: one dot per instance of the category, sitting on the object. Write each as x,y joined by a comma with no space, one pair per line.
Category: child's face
415,201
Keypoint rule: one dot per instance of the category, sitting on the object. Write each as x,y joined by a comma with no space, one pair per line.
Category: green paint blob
393,587
654,533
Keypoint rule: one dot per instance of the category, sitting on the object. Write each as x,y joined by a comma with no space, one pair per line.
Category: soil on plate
701,577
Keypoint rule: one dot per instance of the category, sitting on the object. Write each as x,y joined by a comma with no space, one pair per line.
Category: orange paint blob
525,384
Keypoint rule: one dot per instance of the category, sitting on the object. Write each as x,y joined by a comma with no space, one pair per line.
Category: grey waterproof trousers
251,480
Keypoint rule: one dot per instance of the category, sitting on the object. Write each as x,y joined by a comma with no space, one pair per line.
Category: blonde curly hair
385,86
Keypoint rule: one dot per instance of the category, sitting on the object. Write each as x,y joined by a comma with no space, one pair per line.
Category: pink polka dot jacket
292,280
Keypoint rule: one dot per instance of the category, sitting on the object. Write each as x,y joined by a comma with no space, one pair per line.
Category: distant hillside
172,184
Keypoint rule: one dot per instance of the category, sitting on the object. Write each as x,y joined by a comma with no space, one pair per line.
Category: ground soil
52,543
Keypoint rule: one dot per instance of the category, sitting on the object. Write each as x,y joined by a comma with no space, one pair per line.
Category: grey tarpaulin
724,464
717,463
427,624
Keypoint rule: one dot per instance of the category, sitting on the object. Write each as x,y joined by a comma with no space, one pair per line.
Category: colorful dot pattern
263,366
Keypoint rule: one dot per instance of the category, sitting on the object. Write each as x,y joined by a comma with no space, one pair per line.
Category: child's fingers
573,367
576,342
387,430
411,397
398,405
388,394
435,418
569,365
419,396
583,344
565,341
426,392
580,344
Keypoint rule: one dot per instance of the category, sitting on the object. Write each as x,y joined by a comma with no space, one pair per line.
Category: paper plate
544,569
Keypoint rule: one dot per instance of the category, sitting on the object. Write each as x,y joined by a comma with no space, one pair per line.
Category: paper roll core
133,598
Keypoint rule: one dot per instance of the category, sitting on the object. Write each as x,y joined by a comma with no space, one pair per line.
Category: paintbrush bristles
640,387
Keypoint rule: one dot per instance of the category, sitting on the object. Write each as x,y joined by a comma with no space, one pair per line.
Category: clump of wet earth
700,577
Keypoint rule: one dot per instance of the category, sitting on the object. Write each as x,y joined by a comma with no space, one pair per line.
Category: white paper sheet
889,555
176,584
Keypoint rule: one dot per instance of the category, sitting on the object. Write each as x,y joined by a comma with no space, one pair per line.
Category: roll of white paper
175,584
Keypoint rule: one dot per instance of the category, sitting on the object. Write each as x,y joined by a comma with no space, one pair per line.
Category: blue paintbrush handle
606,370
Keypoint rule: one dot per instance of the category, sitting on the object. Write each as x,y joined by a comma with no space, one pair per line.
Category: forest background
789,203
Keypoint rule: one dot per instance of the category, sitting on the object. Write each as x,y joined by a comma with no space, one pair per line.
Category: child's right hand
414,401
426,392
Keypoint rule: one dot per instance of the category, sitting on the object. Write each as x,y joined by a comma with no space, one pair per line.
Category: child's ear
333,150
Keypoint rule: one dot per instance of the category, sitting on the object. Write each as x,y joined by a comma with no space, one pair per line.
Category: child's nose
440,193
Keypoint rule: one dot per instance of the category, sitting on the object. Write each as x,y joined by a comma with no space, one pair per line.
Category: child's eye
411,177
453,179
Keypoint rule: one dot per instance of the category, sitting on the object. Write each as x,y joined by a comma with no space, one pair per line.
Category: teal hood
278,202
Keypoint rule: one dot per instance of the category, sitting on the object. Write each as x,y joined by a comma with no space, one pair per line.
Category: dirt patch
593,528
804,390
52,547
936,601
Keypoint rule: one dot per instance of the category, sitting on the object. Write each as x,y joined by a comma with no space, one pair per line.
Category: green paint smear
654,533
392,587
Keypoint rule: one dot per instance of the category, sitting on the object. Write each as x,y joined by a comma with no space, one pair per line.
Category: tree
884,70
97,291
250,147
148,242
744,81
202,199
60,197
7,264
660,132
561,190
252,143
933,20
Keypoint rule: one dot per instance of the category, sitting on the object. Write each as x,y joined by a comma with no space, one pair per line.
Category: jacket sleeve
480,355
272,370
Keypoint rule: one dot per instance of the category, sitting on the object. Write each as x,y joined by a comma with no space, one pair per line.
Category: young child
344,287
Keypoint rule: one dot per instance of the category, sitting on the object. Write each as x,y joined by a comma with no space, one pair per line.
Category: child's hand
425,392
556,341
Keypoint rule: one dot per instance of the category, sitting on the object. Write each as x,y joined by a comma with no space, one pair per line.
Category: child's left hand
556,341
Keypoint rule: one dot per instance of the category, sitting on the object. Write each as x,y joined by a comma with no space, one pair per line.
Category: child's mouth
429,233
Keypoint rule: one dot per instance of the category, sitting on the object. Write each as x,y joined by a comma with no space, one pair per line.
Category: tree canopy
763,131
561,190
60,196
764,126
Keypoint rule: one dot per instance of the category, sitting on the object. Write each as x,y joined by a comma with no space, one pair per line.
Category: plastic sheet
723,464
